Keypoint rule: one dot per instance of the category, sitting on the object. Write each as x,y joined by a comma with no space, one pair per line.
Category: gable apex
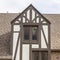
30,7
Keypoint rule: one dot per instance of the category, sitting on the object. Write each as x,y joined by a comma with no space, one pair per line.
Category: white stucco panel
43,43
35,45
25,52
16,28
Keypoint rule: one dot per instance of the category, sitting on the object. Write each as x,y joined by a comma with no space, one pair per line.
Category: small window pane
26,33
34,33
35,55
44,55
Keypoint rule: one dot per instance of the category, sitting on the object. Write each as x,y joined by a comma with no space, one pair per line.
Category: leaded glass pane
34,33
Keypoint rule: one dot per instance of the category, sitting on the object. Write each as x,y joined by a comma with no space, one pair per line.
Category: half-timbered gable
31,35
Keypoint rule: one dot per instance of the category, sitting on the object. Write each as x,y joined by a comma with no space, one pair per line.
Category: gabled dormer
31,32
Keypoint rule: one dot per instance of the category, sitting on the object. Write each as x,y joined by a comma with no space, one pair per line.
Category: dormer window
30,32
26,32
34,33
31,36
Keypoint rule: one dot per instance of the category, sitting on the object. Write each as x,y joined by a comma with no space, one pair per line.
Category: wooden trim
49,43
40,58
25,18
11,39
30,14
31,24
40,26
35,18
30,53
44,23
55,50
16,23
21,42
39,49
16,31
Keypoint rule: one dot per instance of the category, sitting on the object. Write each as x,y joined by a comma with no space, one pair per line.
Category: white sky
16,6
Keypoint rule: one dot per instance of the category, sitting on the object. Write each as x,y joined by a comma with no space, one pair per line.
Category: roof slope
55,29
5,29
5,33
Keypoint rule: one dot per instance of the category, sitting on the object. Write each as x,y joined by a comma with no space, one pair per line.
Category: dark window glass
44,55
34,33
35,55
26,33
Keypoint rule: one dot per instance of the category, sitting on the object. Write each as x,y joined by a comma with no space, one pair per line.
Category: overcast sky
17,6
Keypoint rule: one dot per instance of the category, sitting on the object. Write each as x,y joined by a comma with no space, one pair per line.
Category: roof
5,31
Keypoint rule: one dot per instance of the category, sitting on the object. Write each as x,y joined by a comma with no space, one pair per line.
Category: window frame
36,33
24,32
39,54
30,40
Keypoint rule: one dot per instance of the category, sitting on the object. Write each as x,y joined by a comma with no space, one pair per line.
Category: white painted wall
15,39
23,20
28,14
45,29
43,44
37,20
18,52
35,45
16,28
33,14
16,21
25,52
